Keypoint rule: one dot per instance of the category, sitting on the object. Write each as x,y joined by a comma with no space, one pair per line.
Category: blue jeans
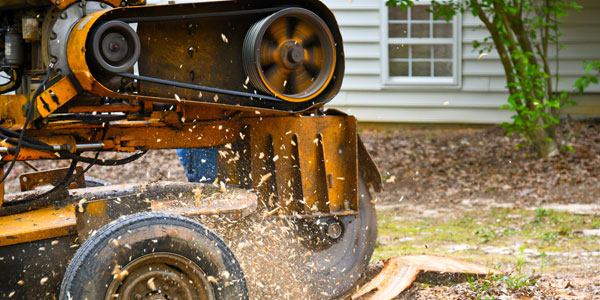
199,163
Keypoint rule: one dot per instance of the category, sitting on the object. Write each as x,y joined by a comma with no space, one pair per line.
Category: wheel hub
334,230
159,282
161,276
322,233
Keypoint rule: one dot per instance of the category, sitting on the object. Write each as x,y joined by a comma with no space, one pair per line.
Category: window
420,50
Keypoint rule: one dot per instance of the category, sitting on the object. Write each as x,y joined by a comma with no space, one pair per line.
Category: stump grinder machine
250,77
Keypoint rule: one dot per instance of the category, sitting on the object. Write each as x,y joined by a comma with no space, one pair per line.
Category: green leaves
592,71
446,10
404,4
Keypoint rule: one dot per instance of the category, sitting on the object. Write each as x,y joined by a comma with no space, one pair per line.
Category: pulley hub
290,54
115,47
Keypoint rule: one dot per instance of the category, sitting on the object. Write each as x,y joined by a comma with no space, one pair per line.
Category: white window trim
416,83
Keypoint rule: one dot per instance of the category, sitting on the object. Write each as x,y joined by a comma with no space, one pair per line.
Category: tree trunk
544,143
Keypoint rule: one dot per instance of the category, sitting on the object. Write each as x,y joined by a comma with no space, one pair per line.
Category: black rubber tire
340,267
89,273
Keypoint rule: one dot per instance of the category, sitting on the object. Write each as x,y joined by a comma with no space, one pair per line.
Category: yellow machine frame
306,163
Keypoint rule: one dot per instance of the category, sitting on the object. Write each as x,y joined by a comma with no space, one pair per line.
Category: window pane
419,30
442,69
421,51
398,68
442,30
412,58
421,69
442,51
398,30
398,51
396,13
419,12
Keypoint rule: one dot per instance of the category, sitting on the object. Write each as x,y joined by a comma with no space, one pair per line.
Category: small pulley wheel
115,47
290,54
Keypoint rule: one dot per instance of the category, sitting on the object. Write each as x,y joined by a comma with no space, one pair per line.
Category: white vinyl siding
359,23
480,88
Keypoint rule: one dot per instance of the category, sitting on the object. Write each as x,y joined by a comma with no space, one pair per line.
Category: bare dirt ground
471,194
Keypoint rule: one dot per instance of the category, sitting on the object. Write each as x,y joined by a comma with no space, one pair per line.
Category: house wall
481,89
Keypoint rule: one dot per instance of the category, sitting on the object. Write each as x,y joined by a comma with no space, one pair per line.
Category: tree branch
511,44
516,24
504,56
543,52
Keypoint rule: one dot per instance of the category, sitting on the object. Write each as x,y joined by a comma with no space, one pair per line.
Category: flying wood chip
399,273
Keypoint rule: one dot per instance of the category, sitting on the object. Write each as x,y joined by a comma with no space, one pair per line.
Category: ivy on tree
522,32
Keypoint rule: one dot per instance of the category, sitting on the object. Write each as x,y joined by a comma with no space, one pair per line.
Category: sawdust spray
272,256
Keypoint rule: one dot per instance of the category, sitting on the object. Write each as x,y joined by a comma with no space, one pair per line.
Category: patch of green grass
518,281
549,237
486,234
541,214
520,263
487,288
516,233
465,220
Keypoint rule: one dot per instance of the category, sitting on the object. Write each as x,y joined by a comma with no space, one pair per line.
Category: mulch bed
443,166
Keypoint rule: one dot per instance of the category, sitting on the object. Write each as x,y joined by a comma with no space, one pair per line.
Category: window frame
400,82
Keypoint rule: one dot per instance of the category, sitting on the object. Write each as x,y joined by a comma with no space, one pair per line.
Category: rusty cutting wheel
161,276
290,54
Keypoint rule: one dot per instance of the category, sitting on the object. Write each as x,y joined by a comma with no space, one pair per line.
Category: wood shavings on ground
399,273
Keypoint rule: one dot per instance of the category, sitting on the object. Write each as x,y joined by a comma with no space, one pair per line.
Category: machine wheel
290,54
336,270
154,256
